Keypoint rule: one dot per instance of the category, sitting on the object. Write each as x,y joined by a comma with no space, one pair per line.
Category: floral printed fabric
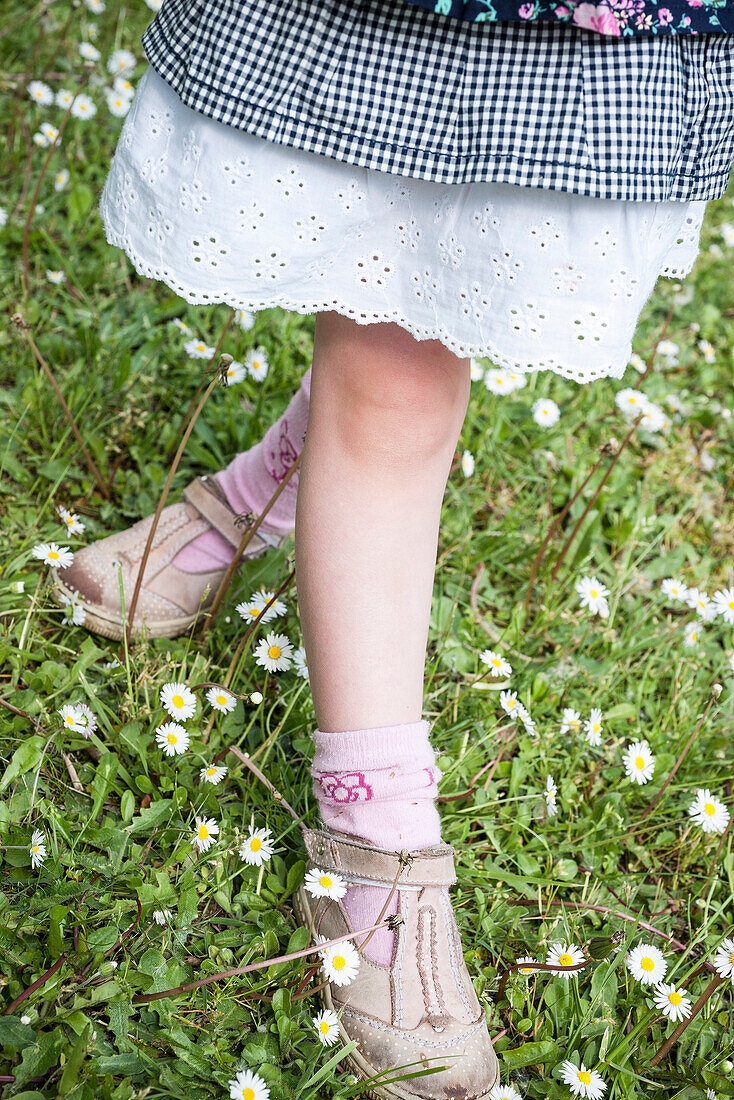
615,18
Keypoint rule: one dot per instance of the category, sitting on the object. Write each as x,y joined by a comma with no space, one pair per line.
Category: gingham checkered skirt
399,89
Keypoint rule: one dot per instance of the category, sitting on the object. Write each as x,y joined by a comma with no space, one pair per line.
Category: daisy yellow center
526,970
647,963
731,604
255,844
221,699
565,959
53,554
731,957
256,364
584,1076
710,809
254,611
203,832
178,701
694,634
633,400
511,703
70,720
325,881
594,592
675,997
596,727
35,847
248,1094
324,1027
274,652
211,771
496,661
171,739
639,762
339,962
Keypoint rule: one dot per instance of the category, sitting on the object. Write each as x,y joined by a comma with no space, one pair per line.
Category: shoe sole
356,1063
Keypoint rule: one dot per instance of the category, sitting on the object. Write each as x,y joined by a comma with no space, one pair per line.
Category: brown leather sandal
422,1007
170,599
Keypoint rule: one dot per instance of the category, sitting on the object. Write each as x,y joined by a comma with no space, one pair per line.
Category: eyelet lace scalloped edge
420,332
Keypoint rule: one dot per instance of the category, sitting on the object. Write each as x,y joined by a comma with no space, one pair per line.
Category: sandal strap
350,857
207,496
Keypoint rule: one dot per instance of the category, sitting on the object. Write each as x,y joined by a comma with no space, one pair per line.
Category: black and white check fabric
399,89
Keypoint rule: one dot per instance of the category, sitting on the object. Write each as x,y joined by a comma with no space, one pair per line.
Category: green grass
118,816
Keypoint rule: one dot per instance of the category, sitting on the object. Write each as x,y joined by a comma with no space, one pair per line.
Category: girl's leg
385,416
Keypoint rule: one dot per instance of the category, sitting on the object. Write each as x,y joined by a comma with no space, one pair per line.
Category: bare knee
386,391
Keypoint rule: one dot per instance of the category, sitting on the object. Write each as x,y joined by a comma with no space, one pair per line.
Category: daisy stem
218,373
675,1035
244,541
681,758
146,998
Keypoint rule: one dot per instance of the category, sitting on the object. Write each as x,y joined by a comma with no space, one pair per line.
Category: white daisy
96,6
467,464
118,104
235,373
692,634
564,955
646,963
582,1081
63,97
476,371
517,379
83,106
181,326
121,61
248,1086
257,847
709,812
220,699
18,587
274,652
172,738
300,664
245,318
702,604
40,92
89,52
674,589
723,600
327,1026
250,609
212,773
340,962
571,721
526,970
593,728
325,884
37,849
672,1002
70,520
55,277
73,718
178,700
75,612
639,762
653,418
499,381
724,959
205,833
593,594
551,792
503,1092
510,704
197,349
496,663
524,715
546,412
631,402
50,553
162,916
257,364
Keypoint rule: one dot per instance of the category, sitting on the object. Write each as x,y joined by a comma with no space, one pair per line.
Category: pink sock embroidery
251,479
380,785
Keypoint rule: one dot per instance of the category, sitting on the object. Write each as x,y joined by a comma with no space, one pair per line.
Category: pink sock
251,479
380,785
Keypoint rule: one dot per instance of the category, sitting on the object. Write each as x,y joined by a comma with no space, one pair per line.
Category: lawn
565,843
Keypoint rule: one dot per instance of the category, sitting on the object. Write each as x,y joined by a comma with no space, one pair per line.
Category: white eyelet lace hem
532,279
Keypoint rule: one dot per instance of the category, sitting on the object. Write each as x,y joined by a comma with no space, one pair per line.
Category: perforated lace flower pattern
531,278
